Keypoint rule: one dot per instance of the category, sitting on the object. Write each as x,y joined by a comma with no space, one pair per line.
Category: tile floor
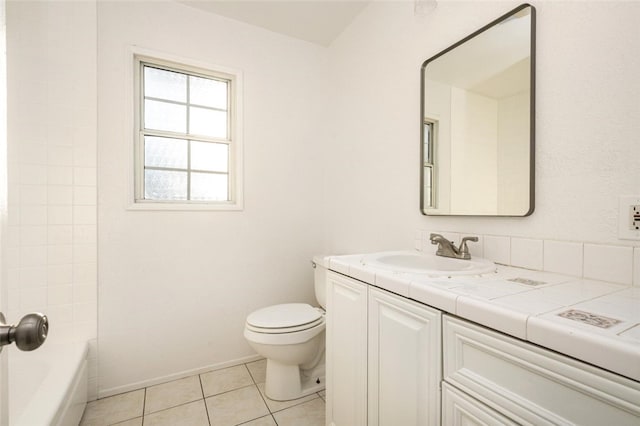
231,396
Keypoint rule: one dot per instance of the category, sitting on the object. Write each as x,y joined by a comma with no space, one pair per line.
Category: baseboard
103,393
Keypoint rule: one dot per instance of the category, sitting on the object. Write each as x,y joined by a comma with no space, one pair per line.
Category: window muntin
186,143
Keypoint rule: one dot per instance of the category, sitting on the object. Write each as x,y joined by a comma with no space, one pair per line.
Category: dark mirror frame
532,109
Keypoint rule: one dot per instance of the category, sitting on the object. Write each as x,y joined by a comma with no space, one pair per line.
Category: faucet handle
464,250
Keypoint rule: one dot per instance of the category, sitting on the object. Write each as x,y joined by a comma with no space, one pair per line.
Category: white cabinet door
459,409
404,361
346,351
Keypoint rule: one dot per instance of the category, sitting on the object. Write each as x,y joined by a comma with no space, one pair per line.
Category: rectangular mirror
477,122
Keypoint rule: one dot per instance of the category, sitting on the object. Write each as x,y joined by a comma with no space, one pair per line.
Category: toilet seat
285,318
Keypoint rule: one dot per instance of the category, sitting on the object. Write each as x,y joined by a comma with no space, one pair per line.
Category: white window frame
138,57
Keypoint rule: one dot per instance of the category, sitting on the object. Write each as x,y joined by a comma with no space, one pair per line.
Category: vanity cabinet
392,361
383,357
346,351
528,384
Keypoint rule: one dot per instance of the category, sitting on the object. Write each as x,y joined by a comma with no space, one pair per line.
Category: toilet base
287,382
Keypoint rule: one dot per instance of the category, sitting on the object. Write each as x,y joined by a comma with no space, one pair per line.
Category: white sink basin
421,263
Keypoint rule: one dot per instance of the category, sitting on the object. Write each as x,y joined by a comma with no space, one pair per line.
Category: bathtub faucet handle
29,334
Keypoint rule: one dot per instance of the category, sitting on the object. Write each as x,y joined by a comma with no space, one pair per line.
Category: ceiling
316,21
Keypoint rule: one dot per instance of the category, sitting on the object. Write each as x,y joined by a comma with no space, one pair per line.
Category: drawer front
459,409
532,385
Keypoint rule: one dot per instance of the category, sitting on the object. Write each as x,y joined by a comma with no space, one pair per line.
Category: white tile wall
563,257
497,249
609,263
526,253
52,140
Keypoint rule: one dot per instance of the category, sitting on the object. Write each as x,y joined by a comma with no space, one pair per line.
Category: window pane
207,122
165,84
213,157
209,187
165,116
165,152
208,92
165,185
428,137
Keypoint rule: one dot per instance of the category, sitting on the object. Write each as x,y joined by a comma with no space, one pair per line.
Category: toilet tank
320,279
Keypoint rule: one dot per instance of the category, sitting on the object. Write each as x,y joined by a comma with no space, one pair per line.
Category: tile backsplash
615,264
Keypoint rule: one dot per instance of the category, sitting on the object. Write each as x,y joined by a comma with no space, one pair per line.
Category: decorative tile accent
527,281
589,318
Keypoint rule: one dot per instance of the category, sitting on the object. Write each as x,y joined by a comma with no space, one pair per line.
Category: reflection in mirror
477,122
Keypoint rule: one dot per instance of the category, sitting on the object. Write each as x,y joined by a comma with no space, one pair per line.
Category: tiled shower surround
611,263
51,255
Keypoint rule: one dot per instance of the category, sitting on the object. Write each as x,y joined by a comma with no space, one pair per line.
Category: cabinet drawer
532,385
459,409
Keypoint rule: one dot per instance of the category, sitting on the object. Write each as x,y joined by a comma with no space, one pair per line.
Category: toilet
291,337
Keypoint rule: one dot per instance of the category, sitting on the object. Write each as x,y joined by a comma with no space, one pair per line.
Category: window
428,163
187,146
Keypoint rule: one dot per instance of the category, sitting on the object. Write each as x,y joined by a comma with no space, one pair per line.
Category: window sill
171,206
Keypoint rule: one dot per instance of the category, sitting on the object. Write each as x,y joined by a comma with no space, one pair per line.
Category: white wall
587,126
474,151
513,153
175,287
51,242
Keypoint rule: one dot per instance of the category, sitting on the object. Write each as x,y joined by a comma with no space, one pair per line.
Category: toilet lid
284,316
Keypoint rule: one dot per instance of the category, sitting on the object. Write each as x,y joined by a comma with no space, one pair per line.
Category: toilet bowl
291,337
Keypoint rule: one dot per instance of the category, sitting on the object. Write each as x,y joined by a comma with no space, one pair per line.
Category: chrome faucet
448,248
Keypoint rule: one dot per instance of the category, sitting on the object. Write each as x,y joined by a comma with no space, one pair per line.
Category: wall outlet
634,217
629,218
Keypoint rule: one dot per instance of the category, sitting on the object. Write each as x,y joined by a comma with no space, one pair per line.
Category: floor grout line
204,400
271,413
144,404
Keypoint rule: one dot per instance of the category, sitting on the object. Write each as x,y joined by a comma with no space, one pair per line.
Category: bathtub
48,386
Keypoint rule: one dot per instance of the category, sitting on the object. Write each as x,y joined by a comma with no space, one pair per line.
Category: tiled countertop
600,322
